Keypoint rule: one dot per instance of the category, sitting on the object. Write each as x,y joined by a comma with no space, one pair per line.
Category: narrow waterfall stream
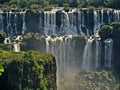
97,54
24,23
16,47
87,55
108,52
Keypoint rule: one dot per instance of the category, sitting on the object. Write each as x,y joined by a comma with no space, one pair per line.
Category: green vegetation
116,29
27,71
110,31
40,4
2,36
105,31
95,80
1,70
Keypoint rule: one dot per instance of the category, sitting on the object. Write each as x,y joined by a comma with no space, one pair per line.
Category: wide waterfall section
66,37
13,22
57,21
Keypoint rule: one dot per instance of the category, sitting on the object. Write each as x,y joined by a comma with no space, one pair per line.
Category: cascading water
1,21
14,42
58,22
80,23
50,23
108,52
15,23
10,22
87,55
23,20
109,17
117,15
16,47
70,52
97,54
64,49
97,20
9,28
65,24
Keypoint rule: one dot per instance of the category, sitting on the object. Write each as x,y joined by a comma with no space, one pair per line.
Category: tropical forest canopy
38,4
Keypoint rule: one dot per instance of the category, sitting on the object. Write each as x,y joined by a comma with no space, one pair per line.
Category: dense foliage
38,4
1,70
27,71
2,36
110,31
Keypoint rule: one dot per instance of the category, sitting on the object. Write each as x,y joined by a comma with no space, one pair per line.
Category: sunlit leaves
1,70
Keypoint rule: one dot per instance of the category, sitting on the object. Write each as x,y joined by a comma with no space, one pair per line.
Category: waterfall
15,23
65,24
109,17
108,52
82,20
117,15
9,27
24,23
97,19
7,41
80,23
73,22
64,50
102,12
14,42
16,47
46,22
62,30
50,23
1,21
87,55
97,54
68,23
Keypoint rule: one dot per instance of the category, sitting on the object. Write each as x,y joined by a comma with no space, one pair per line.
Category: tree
105,32
1,70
